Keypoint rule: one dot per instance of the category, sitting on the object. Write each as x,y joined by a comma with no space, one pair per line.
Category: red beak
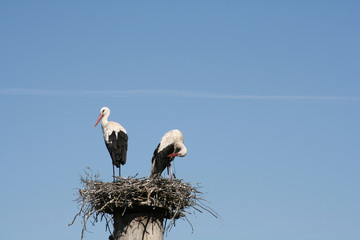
173,155
100,117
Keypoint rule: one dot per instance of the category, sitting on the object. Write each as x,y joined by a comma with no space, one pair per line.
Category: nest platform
168,198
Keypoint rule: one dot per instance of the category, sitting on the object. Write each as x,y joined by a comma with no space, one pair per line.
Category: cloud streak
163,92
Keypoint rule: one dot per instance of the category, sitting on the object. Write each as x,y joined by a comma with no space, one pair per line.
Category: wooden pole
138,226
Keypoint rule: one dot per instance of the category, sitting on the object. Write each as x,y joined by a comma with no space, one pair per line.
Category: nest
170,199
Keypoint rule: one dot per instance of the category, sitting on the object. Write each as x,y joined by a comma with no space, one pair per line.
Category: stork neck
104,120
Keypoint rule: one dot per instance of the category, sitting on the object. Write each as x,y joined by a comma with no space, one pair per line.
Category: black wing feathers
155,153
117,147
161,160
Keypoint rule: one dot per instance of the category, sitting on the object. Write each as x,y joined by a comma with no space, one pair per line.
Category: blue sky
266,94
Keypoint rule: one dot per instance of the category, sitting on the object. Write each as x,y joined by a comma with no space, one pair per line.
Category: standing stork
170,146
116,139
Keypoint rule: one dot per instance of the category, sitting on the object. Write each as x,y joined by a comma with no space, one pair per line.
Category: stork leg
171,175
119,170
113,173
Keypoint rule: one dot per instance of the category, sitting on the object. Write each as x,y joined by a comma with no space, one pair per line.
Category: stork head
183,151
104,111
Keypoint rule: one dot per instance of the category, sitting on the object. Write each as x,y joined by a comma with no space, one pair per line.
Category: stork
116,139
170,146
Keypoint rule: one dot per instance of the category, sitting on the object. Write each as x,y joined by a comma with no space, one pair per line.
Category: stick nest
171,199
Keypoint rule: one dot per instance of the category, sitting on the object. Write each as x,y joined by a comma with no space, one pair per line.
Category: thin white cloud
162,92
35,92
